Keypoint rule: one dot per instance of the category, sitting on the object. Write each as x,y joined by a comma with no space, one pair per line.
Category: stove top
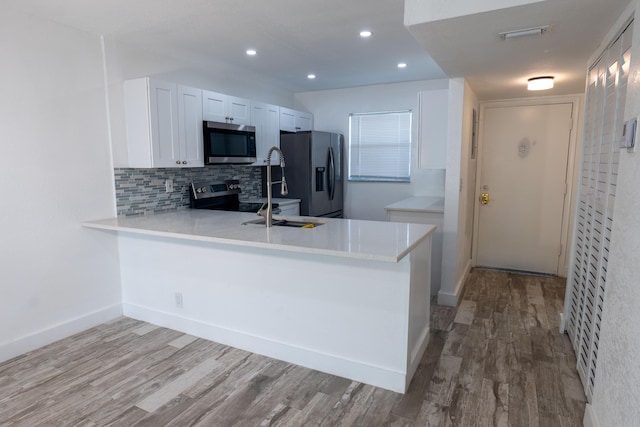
222,195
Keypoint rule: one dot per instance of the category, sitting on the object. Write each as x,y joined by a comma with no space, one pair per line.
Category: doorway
524,184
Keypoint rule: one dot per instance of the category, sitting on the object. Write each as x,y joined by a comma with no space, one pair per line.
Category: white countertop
425,204
371,240
279,200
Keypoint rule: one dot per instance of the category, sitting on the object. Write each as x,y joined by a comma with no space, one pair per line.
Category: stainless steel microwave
226,143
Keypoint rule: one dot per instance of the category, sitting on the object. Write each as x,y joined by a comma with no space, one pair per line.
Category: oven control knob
204,189
198,190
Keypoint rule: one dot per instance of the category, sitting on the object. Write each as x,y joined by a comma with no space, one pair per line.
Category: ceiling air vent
525,32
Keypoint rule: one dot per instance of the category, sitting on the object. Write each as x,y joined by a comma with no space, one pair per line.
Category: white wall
57,278
617,385
331,109
467,186
126,62
419,11
459,193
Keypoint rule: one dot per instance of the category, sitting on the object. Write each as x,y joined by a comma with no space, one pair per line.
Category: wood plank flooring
496,360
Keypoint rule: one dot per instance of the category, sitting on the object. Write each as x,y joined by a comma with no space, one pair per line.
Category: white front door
522,176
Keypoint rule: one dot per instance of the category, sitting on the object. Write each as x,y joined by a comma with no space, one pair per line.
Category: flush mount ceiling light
402,65
251,52
365,33
534,31
540,83
311,76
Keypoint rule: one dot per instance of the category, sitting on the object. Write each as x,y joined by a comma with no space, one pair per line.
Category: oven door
229,143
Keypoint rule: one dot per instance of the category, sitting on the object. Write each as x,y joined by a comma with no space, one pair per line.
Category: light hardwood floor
496,360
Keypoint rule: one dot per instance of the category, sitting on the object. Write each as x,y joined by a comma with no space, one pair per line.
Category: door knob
484,199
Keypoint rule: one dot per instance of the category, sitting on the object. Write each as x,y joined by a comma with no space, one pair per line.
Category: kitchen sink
282,222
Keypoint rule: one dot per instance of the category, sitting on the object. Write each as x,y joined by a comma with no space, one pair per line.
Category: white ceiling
294,38
469,46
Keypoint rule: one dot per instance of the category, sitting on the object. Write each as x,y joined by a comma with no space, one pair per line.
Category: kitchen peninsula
347,297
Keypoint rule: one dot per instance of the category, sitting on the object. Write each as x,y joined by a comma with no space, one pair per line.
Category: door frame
572,167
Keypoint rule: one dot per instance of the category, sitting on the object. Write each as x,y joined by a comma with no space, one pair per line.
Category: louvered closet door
606,94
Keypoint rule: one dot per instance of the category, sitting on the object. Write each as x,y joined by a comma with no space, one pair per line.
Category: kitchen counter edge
177,225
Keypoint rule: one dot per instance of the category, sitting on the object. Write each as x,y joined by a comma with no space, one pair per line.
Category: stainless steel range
222,196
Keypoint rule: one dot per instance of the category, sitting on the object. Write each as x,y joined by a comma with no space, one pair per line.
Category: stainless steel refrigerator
313,169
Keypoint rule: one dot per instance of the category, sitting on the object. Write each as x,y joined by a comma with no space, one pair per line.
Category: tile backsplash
142,191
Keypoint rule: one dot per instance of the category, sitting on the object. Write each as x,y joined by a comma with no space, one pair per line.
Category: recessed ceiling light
251,52
402,65
365,33
540,83
311,76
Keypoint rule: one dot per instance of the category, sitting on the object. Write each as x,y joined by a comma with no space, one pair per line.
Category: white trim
416,355
590,419
562,324
452,299
572,166
57,332
329,363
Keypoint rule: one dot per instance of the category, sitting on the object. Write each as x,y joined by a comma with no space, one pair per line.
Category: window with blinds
604,117
380,146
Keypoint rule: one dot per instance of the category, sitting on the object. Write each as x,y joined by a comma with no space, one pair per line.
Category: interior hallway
497,359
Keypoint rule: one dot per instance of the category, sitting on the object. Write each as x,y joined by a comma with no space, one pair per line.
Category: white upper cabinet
218,107
190,126
266,119
295,121
164,124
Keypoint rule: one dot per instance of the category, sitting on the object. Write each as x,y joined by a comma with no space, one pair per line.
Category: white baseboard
9,350
310,358
452,299
590,419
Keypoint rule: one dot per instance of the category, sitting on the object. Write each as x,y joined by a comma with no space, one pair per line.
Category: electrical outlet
168,185
178,298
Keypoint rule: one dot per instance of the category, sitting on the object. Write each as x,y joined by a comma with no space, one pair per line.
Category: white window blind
380,146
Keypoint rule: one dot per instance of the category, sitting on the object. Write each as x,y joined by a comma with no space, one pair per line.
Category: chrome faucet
268,212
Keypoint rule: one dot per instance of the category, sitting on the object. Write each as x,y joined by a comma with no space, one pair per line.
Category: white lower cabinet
164,124
266,119
289,209
423,210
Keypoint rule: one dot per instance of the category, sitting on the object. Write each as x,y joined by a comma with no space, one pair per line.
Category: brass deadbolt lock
484,199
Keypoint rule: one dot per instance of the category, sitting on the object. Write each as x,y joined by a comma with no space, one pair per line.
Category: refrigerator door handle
332,174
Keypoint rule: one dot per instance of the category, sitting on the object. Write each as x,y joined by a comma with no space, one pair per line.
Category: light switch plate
629,134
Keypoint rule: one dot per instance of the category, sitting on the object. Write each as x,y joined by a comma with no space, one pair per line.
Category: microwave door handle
332,174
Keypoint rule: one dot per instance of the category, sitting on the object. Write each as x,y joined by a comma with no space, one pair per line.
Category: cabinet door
295,121
259,120
304,121
272,136
214,106
287,120
190,126
290,209
266,119
163,111
238,110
